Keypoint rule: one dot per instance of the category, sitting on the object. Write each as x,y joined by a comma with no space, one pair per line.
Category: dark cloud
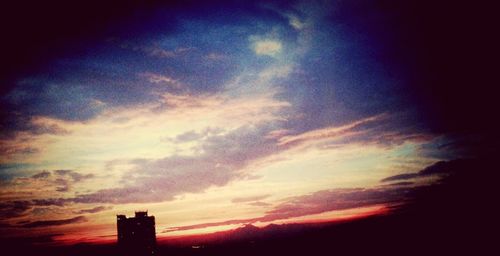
48,223
336,199
41,175
19,208
62,180
94,210
402,183
49,202
63,185
53,129
16,150
13,209
74,175
44,211
439,168
404,176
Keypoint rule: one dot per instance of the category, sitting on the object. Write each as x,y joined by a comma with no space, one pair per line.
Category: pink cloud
318,202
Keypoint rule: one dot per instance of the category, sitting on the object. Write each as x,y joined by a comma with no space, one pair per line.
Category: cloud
14,209
42,125
188,136
318,202
163,79
49,223
259,204
296,23
228,135
10,151
194,136
402,183
155,50
50,201
334,199
94,210
41,175
21,142
267,47
275,72
329,132
222,160
404,176
217,158
17,147
77,177
43,183
249,199
63,185
186,101
439,168
215,56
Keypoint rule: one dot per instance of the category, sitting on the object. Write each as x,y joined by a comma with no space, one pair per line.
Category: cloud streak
50,223
94,210
163,79
317,202
329,132
249,198
439,168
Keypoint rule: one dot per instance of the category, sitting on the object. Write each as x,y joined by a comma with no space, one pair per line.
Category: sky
218,114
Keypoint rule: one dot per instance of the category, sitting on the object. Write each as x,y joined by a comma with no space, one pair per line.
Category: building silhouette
136,235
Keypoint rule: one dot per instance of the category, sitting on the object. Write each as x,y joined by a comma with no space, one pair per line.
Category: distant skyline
215,115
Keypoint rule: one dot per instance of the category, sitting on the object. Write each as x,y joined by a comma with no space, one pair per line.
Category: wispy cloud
215,56
273,72
249,199
328,132
153,50
163,79
94,210
296,23
49,223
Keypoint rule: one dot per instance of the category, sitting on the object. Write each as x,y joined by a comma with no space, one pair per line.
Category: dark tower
136,235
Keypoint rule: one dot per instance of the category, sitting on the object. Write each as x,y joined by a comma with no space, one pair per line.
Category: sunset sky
212,116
